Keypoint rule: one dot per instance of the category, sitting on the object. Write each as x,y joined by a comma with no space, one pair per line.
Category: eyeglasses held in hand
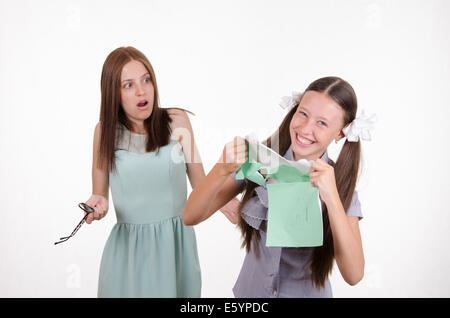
86,208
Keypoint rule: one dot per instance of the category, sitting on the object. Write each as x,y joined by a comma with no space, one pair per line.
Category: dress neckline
138,134
130,132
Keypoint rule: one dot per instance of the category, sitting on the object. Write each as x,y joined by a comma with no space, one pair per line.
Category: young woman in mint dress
143,152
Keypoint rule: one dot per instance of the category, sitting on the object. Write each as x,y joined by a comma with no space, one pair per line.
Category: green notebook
295,213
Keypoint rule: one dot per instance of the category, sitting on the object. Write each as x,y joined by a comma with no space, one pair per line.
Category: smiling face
136,93
317,121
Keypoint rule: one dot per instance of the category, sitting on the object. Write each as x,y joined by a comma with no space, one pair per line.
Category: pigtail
249,234
346,173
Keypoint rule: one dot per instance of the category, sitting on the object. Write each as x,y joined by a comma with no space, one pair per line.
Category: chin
301,154
145,115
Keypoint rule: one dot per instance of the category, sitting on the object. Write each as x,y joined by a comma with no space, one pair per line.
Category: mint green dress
149,252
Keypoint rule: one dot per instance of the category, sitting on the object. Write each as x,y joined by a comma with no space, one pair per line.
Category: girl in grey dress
324,112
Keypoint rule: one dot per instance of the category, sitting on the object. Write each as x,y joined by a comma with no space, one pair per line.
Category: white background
229,62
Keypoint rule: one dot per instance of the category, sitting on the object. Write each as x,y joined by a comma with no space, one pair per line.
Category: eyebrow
319,117
127,80
323,118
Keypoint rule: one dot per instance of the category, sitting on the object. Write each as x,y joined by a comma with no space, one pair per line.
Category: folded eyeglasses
86,208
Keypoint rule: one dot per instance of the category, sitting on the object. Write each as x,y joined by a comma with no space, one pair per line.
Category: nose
139,90
307,127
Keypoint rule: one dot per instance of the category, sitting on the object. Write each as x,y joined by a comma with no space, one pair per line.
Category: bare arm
182,131
345,229
214,192
347,243
217,188
100,182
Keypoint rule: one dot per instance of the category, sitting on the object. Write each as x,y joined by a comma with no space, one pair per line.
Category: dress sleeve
355,207
240,183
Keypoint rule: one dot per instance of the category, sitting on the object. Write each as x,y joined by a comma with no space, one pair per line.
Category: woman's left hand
321,175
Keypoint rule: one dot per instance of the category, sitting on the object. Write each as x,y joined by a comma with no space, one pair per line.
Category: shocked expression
137,92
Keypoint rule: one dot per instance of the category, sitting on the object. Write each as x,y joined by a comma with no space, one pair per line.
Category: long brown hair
112,113
345,169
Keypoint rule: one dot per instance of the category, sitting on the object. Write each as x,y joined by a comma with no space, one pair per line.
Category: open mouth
302,141
142,104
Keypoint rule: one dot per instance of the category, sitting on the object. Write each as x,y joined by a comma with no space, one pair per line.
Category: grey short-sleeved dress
277,271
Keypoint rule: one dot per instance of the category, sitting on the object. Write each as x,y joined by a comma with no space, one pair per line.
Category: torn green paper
294,217
250,171
294,213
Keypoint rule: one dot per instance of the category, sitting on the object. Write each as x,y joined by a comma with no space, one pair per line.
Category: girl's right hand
231,210
234,154
100,204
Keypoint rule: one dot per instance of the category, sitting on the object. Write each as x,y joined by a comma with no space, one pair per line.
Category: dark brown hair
345,169
112,113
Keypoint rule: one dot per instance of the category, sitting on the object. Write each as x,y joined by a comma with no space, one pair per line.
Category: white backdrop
229,62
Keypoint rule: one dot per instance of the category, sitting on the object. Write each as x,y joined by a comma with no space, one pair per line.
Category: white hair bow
287,102
360,127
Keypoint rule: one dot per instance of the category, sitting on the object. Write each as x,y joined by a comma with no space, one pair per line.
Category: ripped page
294,212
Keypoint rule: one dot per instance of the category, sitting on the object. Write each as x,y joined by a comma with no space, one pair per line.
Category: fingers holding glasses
88,217
99,205
99,212
89,206
94,215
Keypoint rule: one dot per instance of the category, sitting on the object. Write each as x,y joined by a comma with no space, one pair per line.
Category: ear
340,135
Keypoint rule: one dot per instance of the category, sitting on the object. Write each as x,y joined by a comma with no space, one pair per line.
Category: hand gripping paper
294,213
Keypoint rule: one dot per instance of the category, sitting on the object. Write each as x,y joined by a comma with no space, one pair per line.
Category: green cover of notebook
294,213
